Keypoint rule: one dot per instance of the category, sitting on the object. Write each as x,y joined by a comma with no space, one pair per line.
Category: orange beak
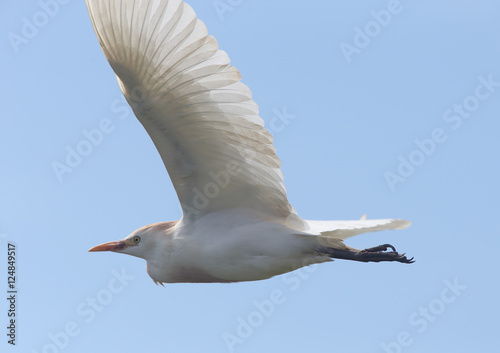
111,246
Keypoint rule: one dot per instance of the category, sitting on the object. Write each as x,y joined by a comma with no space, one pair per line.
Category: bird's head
140,243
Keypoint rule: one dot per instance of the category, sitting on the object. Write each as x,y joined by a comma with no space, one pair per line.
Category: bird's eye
137,239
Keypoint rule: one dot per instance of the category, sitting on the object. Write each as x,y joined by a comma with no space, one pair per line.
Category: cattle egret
237,223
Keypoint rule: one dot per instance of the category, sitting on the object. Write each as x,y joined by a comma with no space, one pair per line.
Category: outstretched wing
191,102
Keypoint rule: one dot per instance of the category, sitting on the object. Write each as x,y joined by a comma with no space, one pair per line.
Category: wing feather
345,229
191,102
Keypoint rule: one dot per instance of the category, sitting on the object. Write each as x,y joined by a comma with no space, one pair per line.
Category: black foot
375,254
378,248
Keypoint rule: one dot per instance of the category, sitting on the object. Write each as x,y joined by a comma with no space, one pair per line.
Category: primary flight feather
237,223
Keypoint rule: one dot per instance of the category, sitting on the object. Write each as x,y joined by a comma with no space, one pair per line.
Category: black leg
375,254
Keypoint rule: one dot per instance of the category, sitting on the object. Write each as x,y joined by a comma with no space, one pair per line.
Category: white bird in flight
237,223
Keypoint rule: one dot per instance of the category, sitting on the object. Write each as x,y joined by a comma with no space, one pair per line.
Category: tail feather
345,229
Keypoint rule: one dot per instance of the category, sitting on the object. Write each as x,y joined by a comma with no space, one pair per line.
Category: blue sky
387,108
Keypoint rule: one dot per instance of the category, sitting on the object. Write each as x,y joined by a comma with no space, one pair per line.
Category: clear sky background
396,118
